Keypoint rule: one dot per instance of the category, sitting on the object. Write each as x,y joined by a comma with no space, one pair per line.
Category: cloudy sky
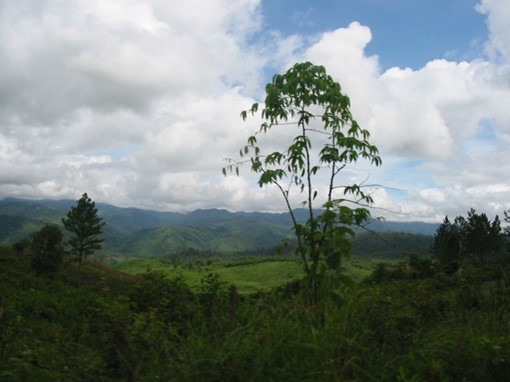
137,102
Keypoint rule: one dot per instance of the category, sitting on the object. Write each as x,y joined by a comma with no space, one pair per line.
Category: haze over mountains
139,232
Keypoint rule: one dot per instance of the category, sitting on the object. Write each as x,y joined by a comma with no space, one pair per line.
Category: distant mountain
139,232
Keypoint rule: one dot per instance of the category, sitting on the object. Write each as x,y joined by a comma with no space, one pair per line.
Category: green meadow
248,275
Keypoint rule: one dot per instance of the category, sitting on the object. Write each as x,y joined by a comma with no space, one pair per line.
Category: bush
46,249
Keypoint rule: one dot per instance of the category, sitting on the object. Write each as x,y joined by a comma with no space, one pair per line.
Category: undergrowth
150,328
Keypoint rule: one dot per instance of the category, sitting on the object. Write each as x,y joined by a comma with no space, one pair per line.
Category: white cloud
137,102
145,84
439,112
497,12
111,55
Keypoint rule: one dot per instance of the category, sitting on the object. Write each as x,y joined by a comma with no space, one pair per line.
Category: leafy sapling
308,100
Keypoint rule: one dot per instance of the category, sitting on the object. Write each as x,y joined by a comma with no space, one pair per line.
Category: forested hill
134,231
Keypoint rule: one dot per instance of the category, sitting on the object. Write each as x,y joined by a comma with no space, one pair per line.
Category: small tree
306,94
85,227
46,249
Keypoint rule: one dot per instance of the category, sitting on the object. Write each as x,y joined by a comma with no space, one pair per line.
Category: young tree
85,227
46,249
307,99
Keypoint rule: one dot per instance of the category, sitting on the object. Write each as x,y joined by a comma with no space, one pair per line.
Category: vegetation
302,97
85,226
46,249
130,232
117,327
390,245
407,321
475,240
249,274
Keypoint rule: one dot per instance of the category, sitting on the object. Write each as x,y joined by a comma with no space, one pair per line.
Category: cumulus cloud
497,21
137,102
449,114
146,85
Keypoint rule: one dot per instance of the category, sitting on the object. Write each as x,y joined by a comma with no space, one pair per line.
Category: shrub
46,249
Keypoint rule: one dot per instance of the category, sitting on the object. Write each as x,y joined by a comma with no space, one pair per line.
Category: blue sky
137,102
405,33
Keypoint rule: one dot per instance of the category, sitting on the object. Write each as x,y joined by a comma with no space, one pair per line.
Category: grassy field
249,275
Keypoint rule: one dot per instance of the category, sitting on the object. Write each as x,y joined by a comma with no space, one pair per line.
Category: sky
137,102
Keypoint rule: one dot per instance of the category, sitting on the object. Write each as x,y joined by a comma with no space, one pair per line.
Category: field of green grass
249,275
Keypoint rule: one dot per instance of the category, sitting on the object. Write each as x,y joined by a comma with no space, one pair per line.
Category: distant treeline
391,245
382,245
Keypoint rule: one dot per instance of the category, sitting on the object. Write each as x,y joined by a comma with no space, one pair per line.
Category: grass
262,275
249,275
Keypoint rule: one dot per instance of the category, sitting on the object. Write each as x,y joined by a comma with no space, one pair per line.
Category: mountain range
139,232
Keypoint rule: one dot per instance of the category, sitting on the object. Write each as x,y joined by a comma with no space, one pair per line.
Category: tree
308,99
506,230
447,245
85,227
483,238
46,249
474,240
507,220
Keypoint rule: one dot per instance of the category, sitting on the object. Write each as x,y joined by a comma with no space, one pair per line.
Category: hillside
138,232
117,327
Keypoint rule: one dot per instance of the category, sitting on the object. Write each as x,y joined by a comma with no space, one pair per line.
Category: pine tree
475,240
86,227
447,245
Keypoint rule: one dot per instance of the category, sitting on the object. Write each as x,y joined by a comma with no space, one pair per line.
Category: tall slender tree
85,226
307,100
